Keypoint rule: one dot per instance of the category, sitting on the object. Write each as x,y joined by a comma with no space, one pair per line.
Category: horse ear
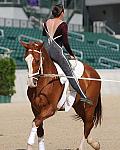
24,44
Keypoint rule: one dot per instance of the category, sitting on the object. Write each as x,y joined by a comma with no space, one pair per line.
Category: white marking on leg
31,139
93,143
41,143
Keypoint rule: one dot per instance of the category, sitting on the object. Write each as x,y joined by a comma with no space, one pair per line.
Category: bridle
33,75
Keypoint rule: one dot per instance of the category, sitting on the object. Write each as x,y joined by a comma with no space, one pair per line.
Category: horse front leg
31,139
45,113
40,134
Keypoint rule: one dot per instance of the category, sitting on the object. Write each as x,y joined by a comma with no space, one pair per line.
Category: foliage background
7,76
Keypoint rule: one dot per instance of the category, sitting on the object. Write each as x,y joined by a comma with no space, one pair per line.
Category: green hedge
7,76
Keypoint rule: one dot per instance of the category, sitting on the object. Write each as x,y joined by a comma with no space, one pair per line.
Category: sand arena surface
62,132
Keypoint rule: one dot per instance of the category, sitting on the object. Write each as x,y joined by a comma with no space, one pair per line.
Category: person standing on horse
57,32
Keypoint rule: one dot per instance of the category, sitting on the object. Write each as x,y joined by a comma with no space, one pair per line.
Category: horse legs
41,144
46,112
94,144
87,117
82,141
88,125
40,134
31,138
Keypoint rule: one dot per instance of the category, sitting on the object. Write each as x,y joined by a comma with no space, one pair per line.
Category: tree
7,76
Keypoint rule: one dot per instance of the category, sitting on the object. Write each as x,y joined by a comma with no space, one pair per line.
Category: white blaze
29,60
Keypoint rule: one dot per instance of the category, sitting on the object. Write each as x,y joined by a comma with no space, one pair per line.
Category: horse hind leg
82,141
79,109
87,118
88,125
87,115
93,143
93,114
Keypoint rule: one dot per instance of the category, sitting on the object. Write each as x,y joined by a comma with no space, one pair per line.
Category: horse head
34,60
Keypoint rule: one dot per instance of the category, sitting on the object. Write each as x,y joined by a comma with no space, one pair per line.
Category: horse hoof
96,145
29,147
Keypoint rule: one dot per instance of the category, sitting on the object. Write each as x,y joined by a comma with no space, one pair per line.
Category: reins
82,78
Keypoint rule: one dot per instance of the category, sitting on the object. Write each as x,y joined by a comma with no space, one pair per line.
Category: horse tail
98,112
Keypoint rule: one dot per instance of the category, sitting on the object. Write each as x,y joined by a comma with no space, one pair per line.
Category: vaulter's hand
72,57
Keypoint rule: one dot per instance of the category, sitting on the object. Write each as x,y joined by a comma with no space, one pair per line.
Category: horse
44,99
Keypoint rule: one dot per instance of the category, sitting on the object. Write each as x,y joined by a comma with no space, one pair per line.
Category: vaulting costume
55,51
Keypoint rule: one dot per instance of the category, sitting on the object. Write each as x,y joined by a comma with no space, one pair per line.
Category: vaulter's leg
64,64
57,55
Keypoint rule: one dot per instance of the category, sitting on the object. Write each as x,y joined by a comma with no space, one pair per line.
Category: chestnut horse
44,98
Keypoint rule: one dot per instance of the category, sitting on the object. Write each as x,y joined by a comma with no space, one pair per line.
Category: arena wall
108,87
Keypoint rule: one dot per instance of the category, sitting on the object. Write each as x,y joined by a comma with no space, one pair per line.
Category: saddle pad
68,96
78,69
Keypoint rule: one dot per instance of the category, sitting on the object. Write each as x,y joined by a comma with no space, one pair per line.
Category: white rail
109,61
81,36
79,52
105,44
6,52
28,37
109,30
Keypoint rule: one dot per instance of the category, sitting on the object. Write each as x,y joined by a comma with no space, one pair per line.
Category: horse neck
48,68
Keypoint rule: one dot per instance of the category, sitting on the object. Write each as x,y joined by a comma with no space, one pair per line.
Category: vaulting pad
69,94
78,69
